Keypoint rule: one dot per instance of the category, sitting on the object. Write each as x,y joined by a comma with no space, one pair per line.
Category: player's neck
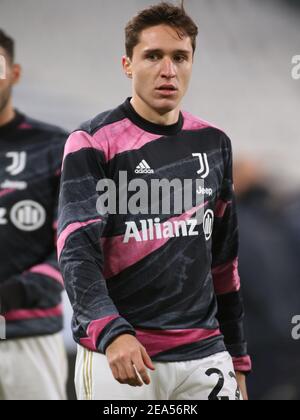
7,114
152,116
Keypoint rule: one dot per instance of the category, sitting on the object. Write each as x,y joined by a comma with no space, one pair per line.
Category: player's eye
179,58
153,57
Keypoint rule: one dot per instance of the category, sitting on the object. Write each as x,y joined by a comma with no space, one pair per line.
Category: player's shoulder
193,122
101,120
44,133
197,124
51,129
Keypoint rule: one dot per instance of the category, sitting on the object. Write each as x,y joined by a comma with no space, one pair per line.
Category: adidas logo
144,168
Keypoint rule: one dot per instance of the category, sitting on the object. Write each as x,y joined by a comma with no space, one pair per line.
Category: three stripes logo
204,166
144,168
18,162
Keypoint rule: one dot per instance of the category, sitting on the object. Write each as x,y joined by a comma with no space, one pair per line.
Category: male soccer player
156,294
32,357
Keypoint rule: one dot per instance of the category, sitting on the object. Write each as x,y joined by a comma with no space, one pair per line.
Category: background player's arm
81,260
40,286
225,270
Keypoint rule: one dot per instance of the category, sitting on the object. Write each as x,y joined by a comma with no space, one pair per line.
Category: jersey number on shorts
214,395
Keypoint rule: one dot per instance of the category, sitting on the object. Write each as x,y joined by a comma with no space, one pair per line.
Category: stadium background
71,53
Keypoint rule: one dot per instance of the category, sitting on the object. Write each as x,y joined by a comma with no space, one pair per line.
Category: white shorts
33,369
205,379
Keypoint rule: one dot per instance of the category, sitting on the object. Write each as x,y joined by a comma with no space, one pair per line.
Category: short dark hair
8,45
162,13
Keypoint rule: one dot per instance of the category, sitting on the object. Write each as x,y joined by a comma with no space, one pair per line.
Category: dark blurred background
71,56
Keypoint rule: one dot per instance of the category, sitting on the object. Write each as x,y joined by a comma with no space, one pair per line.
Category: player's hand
128,359
241,381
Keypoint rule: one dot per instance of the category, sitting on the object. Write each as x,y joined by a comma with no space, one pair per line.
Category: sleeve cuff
12,296
113,330
242,364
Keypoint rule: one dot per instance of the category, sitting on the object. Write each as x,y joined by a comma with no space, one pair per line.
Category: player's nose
168,68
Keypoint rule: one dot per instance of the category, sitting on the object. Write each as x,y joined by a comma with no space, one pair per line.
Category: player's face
12,75
160,58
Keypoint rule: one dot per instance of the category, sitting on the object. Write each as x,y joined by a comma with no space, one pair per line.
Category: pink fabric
22,315
25,126
123,136
242,364
194,123
226,278
78,141
47,270
119,255
221,208
6,192
94,330
158,341
111,140
68,231
88,344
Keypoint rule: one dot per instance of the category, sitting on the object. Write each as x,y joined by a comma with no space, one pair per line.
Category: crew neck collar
164,130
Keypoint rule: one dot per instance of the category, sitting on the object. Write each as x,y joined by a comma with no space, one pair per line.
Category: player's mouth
167,90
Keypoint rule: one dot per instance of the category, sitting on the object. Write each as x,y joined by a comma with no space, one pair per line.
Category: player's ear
16,73
127,66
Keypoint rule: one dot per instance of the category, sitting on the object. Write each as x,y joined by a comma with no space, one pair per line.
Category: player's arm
225,272
81,261
40,286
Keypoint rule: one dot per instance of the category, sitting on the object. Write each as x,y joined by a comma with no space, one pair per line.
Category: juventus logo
18,162
204,166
